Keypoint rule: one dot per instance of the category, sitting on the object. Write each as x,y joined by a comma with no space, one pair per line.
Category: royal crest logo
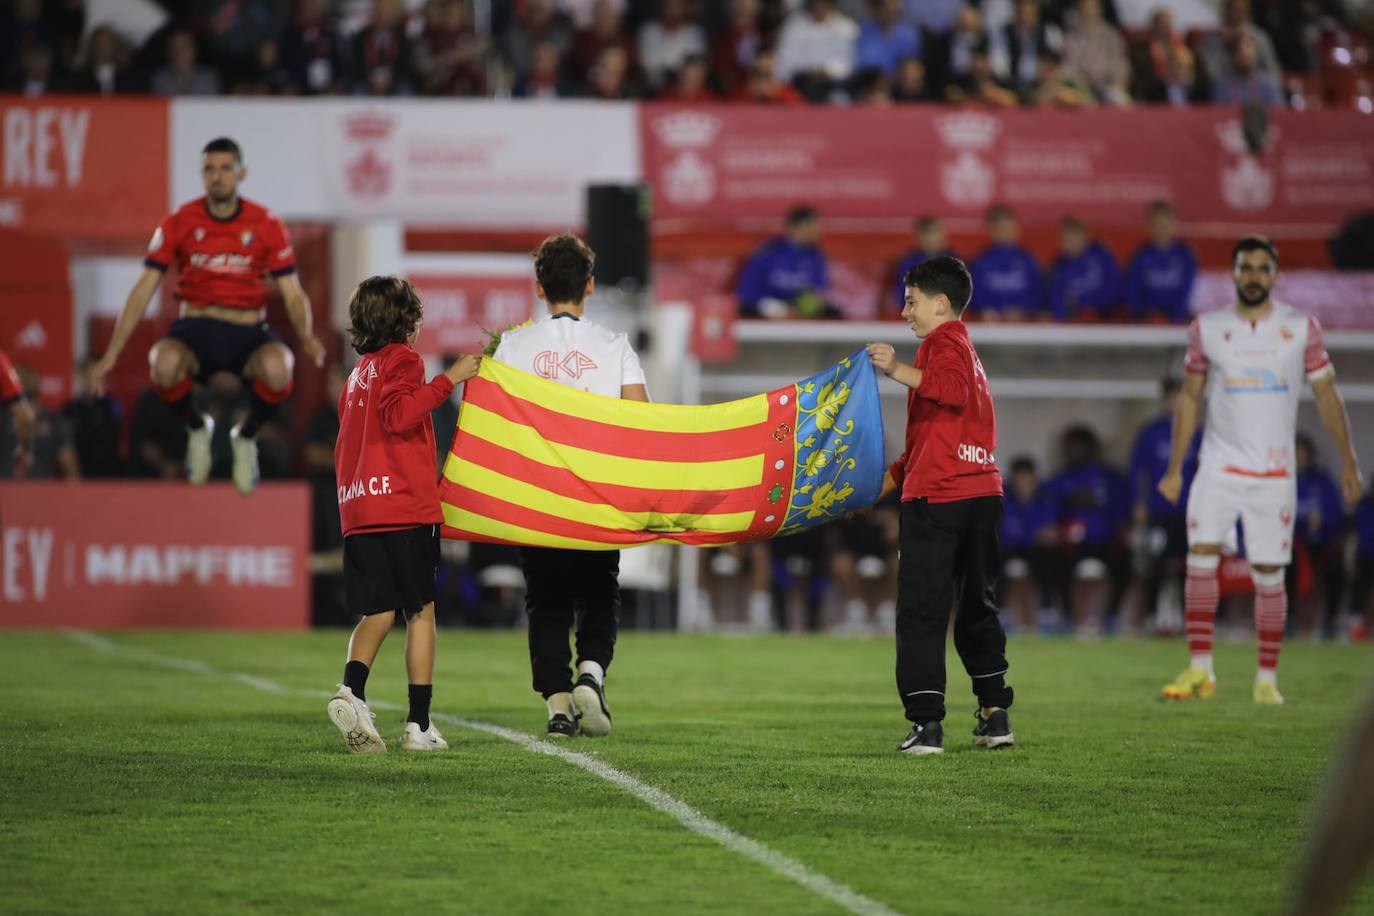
968,180
689,179
968,130
369,173
1247,185
686,129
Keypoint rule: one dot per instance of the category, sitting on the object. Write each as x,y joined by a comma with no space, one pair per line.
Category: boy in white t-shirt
567,587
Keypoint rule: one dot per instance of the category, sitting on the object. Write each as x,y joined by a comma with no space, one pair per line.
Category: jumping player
1248,361
221,245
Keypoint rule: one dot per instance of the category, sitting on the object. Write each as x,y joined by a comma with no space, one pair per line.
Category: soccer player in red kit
13,400
222,245
951,514
389,505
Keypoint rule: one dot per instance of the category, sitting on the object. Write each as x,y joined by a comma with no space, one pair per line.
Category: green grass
130,788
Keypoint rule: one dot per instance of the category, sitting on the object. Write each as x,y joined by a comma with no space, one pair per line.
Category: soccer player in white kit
1247,362
572,588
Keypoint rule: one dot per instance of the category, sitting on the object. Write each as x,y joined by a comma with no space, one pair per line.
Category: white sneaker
198,451
416,740
354,721
245,461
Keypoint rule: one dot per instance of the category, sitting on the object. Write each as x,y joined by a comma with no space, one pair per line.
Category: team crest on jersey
247,238
551,364
361,376
200,234
1285,333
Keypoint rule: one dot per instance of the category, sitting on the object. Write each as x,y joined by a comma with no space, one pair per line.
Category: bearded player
222,246
1248,362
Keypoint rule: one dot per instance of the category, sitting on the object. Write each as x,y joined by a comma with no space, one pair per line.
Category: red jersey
384,455
951,430
222,261
10,389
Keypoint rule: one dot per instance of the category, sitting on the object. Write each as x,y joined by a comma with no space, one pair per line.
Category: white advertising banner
446,162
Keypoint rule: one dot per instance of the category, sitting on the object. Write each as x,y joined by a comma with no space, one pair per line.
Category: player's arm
633,385
1185,424
135,307
639,392
1331,409
883,356
23,417
406,399
298,310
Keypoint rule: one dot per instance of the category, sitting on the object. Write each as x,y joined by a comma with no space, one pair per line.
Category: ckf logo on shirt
551,364
361,376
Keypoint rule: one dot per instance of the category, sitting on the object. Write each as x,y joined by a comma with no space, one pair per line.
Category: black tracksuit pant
564,588
949,552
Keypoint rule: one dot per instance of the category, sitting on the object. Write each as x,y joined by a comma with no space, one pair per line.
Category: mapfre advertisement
154,555
708,163
79,167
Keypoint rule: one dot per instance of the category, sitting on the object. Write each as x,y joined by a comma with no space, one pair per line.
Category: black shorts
390,570
221,346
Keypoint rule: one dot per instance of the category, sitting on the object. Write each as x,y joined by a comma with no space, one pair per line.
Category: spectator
690,83
1054,88
980,86
668,40
1162,41
606,30
267,76
582,13
94,422
1085,283
52,455
1091,506
764,87
544,80
157,439
1159,283
538,23
937,21
1319,525
104,67
610,78
910,85
871,87
182,75
449,54
816,49
1095,54
22,28
886,39
734,47
233,30
1219,46
35,76
1160,524
1023,43
967,40
1180,86
1028,537
383,55
788,277
931,242
311,50
1244,83
1006,279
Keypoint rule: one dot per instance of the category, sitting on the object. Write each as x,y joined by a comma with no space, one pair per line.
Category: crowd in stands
1000,53
1088,547
789,276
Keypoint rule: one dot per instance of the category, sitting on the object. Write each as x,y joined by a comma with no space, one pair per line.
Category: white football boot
245,471
416,740
198,451
354,721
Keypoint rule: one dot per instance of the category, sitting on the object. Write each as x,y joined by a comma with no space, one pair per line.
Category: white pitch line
689,817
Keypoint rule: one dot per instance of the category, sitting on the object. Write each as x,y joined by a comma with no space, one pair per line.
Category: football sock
420,695
355,679
178,401
1200,596
262,404
594,669
561,703
1271,613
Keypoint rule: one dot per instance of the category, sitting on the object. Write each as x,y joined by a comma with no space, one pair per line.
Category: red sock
1271,614
1200,596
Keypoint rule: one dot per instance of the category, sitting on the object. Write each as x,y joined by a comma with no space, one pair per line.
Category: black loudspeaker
618,231
1353,247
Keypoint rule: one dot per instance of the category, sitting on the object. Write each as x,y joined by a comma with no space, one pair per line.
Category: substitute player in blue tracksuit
1085,283
1159,281
1007,284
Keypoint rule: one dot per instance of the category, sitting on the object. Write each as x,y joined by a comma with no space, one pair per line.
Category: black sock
420,695
259,412
186,411
355,679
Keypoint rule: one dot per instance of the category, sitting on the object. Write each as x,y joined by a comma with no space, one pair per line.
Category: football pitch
175,772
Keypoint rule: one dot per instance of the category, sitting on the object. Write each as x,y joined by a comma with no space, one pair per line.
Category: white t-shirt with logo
573,352
1255,372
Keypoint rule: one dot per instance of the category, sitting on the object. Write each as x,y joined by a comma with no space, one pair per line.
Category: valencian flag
540,464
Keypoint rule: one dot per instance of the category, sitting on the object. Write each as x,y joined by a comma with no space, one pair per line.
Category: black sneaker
561,726
993,732
924,739
589,698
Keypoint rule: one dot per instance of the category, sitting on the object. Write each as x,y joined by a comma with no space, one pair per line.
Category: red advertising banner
83,167
718,162
459,304
154,555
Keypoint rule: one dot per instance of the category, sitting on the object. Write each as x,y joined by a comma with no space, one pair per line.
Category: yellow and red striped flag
540,464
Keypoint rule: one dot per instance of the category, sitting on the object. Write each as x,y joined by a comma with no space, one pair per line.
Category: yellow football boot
1267,694
1193,684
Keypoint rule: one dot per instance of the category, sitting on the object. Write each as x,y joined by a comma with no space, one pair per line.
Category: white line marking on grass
655,798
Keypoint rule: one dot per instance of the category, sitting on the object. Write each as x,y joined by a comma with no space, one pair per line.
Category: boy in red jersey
389,505
951,514
222,245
